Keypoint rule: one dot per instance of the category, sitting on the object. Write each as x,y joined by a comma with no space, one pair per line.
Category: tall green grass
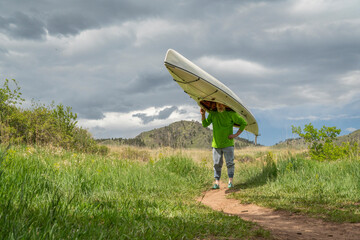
330,190
57,194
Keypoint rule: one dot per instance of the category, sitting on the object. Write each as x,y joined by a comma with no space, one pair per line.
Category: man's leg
229,158
218,162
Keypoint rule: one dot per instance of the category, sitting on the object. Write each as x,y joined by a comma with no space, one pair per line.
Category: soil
281,224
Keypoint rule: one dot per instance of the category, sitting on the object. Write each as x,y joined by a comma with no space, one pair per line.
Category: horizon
241,136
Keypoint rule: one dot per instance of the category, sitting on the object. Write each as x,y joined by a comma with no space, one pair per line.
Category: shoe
230,185
216,186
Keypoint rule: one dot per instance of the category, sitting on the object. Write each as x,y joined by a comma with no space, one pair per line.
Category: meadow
144,193
51,193
283,179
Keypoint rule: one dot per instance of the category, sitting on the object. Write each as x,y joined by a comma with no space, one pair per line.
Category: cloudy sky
291,62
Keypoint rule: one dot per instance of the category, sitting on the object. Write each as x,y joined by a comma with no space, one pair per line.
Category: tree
321,142
9,113
41,125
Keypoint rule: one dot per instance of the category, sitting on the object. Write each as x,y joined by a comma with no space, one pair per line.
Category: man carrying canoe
223,139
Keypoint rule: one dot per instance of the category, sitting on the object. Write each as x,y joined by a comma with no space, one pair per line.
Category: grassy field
329,190
49,193
283,178
139,193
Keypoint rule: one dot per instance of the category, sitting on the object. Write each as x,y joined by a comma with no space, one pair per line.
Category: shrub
322,146
41,125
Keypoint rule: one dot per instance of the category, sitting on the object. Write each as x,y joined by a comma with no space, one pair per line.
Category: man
223,139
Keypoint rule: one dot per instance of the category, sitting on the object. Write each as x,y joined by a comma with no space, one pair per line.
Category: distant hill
352,137
297,143
182,134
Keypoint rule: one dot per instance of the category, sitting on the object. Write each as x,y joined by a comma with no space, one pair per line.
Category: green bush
321,143
40,124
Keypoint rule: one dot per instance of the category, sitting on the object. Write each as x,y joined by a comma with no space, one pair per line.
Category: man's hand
232,136
202,111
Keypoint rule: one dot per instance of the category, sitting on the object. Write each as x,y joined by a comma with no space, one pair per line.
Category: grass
329,190
147,154
286,179
49,193
139,193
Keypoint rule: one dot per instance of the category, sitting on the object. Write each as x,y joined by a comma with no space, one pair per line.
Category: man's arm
202,111
205,122
241,122
236,134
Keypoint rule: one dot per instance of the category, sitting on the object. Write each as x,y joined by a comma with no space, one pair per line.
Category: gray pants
218,154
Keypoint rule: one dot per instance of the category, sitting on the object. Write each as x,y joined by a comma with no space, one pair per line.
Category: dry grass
150,154
256,153
203,156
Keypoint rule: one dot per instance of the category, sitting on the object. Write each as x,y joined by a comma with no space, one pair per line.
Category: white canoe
205,89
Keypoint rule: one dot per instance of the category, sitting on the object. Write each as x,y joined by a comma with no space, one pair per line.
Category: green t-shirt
223,123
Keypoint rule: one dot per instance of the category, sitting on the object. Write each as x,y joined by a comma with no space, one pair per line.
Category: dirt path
282,225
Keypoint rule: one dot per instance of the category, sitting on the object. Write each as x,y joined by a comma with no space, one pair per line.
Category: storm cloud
289,61
22,26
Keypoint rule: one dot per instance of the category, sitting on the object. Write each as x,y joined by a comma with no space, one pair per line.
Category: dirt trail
281,224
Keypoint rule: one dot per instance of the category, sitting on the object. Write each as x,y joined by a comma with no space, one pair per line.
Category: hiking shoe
230,185
216,186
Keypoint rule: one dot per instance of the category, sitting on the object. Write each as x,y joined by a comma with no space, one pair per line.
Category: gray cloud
67,17
23,26
147,82
68,24
163,114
